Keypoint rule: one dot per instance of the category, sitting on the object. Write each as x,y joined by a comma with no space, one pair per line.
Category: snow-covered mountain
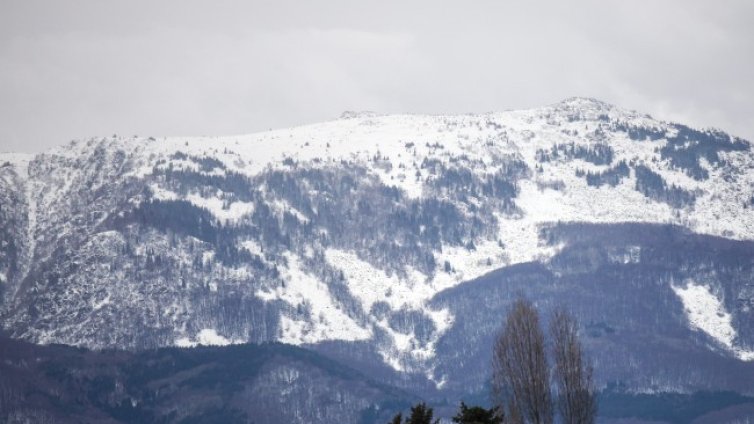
353,232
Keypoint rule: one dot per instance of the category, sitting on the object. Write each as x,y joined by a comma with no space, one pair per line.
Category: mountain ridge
345,230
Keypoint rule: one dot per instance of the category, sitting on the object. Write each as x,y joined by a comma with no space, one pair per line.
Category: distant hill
270,383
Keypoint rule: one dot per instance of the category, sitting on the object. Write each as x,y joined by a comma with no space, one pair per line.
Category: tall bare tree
577,402
520,376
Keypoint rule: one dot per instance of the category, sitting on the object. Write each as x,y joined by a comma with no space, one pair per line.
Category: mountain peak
585,103
351,114
581,100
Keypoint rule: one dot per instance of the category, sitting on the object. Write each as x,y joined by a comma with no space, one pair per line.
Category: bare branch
573,376
520,374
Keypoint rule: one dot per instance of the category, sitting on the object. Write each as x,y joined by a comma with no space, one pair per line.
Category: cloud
192,68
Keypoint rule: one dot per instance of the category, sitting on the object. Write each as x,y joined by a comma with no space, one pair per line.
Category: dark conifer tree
477,415
420,414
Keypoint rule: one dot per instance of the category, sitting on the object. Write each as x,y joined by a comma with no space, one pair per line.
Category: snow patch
253,247
225,211
159,193
371,285
207,337
707,313
280,207
521,241
466,264
326,320
97,305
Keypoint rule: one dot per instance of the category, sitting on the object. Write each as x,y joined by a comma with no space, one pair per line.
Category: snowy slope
222,240
405,141
707,313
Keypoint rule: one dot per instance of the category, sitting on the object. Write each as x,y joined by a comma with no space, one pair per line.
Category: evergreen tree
477,415
420,414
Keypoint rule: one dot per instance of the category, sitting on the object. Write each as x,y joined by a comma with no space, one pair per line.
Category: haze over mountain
394,243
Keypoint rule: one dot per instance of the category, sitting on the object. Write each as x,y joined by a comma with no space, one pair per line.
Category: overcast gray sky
75,69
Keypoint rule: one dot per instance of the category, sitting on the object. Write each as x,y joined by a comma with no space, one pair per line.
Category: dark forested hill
270,383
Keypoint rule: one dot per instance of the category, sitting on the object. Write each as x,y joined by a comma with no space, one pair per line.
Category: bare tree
573,375
520,376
